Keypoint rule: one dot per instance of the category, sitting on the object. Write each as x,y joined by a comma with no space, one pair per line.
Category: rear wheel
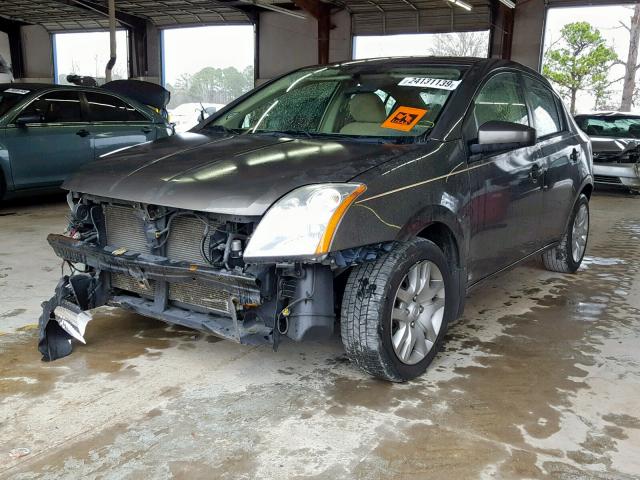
395,311
567,256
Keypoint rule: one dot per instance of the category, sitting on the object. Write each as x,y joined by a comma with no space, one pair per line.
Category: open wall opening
456,44
587,56
205,68
87,54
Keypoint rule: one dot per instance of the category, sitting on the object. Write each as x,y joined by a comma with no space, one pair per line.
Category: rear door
115,123
559,152
506,195
47,151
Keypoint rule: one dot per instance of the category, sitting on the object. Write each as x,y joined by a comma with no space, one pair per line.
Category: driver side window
56,107
502,99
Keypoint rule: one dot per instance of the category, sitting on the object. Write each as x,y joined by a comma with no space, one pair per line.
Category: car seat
368,113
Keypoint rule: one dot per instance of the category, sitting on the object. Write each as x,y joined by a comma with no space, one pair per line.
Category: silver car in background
615,137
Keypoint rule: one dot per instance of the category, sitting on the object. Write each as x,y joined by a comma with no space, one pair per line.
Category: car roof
480,65
414,60
36,87
26,86
385,62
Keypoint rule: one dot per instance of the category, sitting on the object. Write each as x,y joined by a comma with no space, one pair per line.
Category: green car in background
48,131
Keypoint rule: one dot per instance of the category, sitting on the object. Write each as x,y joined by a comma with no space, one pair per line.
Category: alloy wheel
417,314
579,233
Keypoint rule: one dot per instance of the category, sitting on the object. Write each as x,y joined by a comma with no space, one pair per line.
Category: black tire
366,310
3,185
560,258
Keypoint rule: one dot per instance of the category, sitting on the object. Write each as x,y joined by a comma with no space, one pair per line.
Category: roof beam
12,29
322,13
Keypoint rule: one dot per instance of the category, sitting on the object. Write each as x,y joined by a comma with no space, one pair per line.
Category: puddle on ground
520,386
113,337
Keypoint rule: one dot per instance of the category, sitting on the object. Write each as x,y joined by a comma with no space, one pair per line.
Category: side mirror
495,136
22,120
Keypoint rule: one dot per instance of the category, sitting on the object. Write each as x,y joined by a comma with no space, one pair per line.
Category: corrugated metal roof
52,14
57,15
380,17
370,17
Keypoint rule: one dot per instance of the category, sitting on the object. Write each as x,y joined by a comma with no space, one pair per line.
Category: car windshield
615,127
9,97
347,101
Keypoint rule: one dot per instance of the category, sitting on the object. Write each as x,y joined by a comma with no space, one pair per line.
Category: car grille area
607,179
124,228
201,296
130,284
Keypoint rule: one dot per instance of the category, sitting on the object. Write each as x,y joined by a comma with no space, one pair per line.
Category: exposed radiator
125,229
192,294
200,295
130,284
185,239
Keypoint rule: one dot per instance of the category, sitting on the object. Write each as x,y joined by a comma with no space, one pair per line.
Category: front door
559,151
45,152
116,124
506,187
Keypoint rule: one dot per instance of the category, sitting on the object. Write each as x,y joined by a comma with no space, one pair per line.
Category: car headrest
594,129
634,130
367,107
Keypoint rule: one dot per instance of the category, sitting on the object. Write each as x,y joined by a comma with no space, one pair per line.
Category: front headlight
303,222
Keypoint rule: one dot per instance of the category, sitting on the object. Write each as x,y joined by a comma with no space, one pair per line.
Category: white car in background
188,115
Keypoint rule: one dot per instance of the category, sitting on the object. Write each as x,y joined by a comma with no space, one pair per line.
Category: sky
87,53
189,50
606,19
393,45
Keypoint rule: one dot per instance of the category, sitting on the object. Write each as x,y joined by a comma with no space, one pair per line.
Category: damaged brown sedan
372,195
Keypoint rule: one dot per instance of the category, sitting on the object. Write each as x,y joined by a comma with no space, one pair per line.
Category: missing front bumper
180,293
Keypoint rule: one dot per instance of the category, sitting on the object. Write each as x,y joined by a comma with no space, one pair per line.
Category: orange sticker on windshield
404,119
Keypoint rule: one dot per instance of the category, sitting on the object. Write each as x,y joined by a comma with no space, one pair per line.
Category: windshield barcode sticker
424,82
18,91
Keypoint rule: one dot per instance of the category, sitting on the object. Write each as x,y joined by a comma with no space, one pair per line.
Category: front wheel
567,256
395,311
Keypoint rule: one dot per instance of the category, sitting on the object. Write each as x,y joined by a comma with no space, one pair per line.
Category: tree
580,60
461,44
631,65
211,85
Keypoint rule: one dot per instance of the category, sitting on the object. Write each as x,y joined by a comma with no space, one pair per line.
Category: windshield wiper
284,133
221,129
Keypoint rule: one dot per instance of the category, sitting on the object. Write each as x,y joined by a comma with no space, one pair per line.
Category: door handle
146,129
535,173
83,132
575,155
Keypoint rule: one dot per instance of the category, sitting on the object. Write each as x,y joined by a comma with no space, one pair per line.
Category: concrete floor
540,379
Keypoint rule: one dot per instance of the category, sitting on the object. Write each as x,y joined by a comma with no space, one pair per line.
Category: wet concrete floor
539,379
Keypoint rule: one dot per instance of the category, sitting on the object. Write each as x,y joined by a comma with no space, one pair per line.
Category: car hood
611,145
228,174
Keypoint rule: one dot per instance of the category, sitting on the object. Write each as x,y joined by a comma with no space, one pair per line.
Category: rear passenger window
500,99
545,111
56,107
107,108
